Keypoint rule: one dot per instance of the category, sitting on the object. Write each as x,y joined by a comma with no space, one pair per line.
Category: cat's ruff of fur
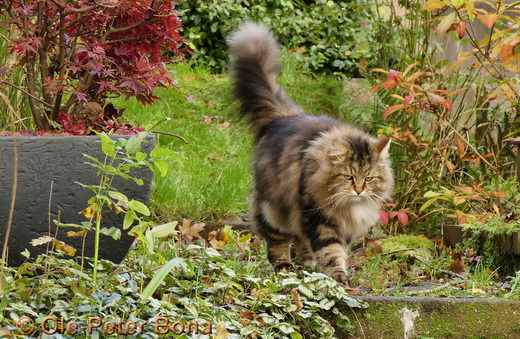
318,181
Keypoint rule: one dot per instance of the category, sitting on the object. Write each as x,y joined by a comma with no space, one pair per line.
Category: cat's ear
339,149
382,146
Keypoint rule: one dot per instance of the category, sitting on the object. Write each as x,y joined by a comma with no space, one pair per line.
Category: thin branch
11,211
437,288
172,135
42,51
27,93
127,39
399,251
37,114
467,143
61,58
453,274
126,28
84,10
59,4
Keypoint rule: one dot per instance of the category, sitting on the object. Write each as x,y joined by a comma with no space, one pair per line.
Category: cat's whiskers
378,197
372,201
331,200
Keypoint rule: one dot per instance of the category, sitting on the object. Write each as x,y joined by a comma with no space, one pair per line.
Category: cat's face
358,169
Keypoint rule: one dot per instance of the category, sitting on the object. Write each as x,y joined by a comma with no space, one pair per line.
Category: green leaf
149,241
159,276
3,303
296,335
326,304
140,156
26,253
164,230
162,167
431,194
286,328
129,219
305,291
138,207
161,152
108,146
113,232
428,203
117,196
133,145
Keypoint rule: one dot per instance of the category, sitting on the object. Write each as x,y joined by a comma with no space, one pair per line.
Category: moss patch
439,318
421,246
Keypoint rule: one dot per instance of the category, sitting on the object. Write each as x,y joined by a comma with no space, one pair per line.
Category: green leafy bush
331,36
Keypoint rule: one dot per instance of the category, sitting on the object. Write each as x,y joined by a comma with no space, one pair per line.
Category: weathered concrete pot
507,246
57,162
510,244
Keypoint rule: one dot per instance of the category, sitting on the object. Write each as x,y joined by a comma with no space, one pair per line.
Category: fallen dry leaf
375,246
458,263
214,156
190,98
189,231
72,234
222,332
297,299
41,240
67,249
224,125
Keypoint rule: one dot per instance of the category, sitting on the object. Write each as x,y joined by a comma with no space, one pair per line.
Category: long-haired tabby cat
318,182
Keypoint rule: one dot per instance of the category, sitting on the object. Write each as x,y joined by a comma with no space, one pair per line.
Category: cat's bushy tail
255,68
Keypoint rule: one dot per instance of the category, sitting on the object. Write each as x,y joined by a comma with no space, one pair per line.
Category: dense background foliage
328,36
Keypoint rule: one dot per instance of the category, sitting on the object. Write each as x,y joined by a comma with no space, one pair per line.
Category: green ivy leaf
138,207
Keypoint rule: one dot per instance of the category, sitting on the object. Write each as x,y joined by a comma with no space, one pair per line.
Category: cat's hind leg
304,253
278,243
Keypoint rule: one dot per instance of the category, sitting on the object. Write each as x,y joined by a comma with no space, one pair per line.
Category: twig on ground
453,274
172,135
401,250
437,288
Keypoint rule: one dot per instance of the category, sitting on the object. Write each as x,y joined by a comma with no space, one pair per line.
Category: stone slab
391,317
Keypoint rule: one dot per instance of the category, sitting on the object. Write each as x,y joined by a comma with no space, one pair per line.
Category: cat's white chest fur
358,216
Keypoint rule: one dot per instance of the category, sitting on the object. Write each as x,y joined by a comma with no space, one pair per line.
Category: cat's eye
349,177
369,178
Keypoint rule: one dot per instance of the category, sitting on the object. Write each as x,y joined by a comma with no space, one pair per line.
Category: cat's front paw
283,267
340,275
342,278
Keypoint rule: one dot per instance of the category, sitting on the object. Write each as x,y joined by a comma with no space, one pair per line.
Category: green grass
214,179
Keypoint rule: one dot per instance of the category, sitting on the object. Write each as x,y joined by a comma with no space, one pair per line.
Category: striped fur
318,182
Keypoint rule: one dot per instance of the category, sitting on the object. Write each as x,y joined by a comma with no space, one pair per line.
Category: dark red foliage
79,52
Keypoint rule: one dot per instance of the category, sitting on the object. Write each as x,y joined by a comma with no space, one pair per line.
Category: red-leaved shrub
76,54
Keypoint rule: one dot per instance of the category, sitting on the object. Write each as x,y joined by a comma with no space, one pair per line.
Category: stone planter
507,246
57,162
